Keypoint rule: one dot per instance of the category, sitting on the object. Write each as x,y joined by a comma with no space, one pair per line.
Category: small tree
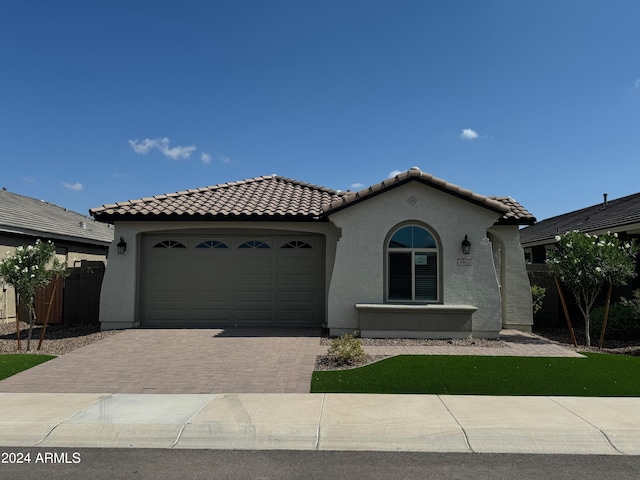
537,298
31,267
585,263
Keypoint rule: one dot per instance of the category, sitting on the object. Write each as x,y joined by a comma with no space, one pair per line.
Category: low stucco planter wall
415,321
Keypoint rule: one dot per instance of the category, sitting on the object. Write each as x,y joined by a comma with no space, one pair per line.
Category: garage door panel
213,297
207,281
249,296
169,281
211,287
291,279
296,297
295,263
246,279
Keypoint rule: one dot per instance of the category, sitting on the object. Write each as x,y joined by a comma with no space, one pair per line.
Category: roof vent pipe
605,200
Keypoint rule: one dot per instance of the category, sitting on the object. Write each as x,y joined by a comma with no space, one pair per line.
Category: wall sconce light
122,246
466,246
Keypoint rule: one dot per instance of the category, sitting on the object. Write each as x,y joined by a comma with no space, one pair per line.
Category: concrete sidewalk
426,423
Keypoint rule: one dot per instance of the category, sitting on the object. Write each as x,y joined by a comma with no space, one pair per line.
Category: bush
634,303
537,297
622,324
346,349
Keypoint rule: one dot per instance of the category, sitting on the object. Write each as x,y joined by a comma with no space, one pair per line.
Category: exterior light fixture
122,246
466,246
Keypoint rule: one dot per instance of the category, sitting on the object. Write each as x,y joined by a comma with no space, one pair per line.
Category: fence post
566,312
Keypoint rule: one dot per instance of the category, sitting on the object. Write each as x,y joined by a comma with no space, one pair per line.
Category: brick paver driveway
181,361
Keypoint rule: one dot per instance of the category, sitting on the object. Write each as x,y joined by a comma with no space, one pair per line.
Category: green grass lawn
598,375
13,363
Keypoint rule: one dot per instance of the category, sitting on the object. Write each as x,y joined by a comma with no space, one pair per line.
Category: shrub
346,349
634,303
537,297
622,324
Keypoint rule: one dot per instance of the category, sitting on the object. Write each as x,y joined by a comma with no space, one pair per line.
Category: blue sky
105,101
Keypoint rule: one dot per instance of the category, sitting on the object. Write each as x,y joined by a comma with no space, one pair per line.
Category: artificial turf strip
597,375
13,363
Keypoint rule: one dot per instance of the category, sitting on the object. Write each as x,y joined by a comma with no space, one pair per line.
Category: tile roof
279,198
513,212
29,216
517,214
268,197
615,216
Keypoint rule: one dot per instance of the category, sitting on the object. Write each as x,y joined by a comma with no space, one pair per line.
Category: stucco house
411,256
620,215
24,219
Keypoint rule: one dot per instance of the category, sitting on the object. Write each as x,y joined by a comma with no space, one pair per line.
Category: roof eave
54,236
128,217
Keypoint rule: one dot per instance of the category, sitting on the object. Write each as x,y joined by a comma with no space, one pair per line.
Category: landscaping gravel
58,340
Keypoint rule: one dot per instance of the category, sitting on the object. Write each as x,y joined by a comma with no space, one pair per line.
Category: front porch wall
119,285
358,275
516,288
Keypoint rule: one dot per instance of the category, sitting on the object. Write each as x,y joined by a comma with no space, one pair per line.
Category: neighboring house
23,220
621,216
271,251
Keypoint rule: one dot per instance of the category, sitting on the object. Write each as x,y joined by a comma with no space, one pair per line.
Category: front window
412,256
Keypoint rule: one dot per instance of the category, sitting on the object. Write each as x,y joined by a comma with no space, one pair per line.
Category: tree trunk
32,318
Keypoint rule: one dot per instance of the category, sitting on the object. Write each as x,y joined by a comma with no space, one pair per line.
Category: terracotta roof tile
416,174
517,214
279,198
270,197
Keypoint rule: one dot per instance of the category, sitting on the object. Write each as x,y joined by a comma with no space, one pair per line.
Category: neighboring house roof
279,198
614,215
20,215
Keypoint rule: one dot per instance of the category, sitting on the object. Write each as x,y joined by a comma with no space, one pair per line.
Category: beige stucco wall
358,275
121,284
517,309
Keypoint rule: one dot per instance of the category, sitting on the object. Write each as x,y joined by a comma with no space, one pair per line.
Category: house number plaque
464,262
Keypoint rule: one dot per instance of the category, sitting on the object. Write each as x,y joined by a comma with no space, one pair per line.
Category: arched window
296,244
412,265
254,244
211,244
169,244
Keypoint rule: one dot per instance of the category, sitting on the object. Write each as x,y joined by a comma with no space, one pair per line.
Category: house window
412,265
211,244
296,244
169,244
254,244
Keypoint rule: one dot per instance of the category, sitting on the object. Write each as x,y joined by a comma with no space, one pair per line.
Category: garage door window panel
254,244
212,244
169,244
296,244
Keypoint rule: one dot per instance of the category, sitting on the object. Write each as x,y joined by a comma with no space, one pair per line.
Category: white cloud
29,179
637,83
393,173
468,134
161,144
356,186
206,158
225,159
73,186
142,147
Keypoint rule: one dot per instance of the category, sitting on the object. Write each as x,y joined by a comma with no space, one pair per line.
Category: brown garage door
222,280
